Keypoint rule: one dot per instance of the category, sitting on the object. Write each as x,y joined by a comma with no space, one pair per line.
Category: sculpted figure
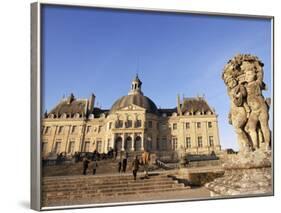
259,108
243,76
238,111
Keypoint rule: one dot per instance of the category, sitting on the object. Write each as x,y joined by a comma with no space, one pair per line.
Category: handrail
164,165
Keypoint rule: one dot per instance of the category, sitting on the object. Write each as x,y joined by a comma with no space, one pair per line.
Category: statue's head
242,68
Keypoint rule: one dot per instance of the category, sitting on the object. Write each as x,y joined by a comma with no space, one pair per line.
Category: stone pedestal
247,173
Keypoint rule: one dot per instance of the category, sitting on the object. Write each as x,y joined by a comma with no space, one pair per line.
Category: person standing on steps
95,165
135,166
145,158
85,165
124,164
119,166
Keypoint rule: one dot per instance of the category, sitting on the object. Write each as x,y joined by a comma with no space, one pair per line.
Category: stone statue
243,76
249,171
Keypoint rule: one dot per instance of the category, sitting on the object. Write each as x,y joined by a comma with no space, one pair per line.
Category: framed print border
36,100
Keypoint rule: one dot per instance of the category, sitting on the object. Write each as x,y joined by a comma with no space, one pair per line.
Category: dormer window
51,116
91,116
63,116
77,115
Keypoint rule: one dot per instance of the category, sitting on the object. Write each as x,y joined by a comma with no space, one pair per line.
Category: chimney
91,103
179,106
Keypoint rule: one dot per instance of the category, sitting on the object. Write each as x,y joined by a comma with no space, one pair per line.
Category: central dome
135,97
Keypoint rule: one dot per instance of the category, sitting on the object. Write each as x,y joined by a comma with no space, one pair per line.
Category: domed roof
136,99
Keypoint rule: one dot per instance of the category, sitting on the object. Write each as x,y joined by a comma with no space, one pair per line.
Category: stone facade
134,123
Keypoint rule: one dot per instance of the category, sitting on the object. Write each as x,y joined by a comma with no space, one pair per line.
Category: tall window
89,129
210,125
164,143
149,143
129,123
174,126
198,125
109,125
47,129
108,144
138,123
44,147
99,146
57,147
188,142
163,126
60,131
99,128
187,125
42,129
119,124
74,128
174,143
71,147
87,146
158,147
211,140
149,124
200,143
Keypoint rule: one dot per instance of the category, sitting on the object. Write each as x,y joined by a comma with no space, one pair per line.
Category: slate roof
136,99
70,107
193,105
167,111
97,112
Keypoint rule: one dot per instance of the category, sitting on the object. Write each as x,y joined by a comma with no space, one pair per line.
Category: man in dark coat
95,165
124,164
85,165
135,166
119,166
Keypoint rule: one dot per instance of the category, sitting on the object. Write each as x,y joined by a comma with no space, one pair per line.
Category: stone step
102,178
104,167
94,190
110,183
79,195
66,187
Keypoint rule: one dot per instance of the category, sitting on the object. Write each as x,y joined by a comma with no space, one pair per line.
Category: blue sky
89,50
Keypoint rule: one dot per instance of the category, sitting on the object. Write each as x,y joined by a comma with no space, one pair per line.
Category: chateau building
133,123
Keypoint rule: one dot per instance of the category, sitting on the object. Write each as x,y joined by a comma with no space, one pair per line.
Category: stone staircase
69,190
104,167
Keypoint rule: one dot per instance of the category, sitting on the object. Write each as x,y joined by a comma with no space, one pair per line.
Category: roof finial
138,65
136,86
